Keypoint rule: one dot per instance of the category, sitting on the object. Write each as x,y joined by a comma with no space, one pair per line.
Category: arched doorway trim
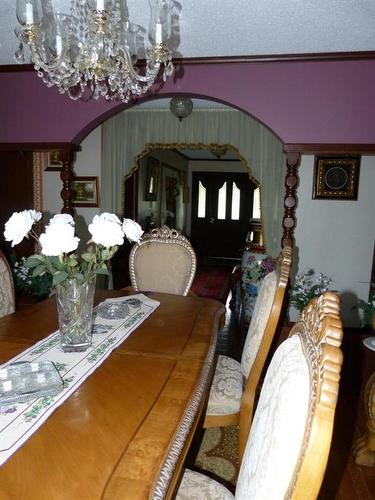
149,147
123,107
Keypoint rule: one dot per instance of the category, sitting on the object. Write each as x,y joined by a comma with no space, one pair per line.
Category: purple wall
301,101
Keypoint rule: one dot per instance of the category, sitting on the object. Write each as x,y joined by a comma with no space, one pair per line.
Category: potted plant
306,286
29,286
254,269
367,309
73,275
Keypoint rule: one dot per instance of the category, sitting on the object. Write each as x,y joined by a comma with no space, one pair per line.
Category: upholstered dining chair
164,261
288,445
233,389
7,300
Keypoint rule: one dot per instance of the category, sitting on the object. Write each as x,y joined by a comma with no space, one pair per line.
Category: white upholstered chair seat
227,386
196,486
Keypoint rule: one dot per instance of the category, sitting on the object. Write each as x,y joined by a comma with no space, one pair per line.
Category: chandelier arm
133,73
38,60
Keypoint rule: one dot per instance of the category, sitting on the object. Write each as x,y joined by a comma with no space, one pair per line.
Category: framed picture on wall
336,178
54,161
86,192
152,179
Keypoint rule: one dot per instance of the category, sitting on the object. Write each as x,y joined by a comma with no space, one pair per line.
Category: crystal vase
74,306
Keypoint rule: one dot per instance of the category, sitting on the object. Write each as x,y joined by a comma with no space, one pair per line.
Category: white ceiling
243,27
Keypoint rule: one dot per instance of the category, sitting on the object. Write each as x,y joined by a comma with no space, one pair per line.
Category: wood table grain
125,431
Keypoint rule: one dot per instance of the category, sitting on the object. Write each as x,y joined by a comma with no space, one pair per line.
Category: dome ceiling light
181,107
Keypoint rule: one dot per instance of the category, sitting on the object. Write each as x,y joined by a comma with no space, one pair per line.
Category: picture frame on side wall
54,161
152,179
336,178
85,192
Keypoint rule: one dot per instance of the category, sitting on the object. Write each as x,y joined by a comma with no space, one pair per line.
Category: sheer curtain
126,135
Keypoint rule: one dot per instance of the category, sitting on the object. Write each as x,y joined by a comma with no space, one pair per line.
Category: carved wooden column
290,199
66,175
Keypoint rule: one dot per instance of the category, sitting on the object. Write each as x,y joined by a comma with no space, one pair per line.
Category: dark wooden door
120,261
221,209
16,194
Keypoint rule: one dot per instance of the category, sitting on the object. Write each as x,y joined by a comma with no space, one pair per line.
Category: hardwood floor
344,479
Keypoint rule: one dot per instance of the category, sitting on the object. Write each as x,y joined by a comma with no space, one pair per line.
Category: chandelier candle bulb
29,13
158,34
59,45
100,5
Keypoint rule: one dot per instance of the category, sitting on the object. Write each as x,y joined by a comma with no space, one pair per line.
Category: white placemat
19,421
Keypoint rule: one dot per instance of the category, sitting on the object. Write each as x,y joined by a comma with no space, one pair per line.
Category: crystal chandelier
181,107
95,47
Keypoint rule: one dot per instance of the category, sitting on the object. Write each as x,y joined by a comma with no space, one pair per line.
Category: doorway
221,208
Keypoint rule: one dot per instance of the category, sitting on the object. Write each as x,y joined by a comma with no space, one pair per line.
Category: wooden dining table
124,433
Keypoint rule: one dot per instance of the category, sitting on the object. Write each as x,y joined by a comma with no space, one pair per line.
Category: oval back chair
164,261
288,446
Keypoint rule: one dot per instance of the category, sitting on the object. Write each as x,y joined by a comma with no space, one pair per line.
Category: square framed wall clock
336,178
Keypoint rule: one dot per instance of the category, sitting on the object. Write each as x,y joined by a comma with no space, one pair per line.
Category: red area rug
213,282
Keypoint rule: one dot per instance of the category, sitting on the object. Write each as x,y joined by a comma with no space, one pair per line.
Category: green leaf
79,277
86,257
33,261
59,277
102,271
56,263
72,261
39,270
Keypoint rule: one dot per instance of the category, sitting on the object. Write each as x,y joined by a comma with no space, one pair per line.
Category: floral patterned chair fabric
224,402
163,261
228,383
254,267
288,446
7,301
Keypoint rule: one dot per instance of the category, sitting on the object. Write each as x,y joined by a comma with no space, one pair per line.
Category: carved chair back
7,300
164,261
288,446
260,335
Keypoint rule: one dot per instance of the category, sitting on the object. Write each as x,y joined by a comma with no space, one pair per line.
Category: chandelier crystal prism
95,48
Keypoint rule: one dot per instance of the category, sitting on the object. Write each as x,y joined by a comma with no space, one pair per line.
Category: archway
177,164
127,134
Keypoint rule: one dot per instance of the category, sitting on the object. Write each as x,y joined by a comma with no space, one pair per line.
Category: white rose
132,230
19,225
106,230
62,219
57,239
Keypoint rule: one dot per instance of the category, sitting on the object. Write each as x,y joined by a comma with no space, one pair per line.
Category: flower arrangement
307,286
38,286
256,270
58,243
253,271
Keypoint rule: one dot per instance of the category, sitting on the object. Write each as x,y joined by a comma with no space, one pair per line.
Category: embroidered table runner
19,421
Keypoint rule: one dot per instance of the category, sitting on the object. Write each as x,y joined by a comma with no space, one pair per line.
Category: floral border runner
19,421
